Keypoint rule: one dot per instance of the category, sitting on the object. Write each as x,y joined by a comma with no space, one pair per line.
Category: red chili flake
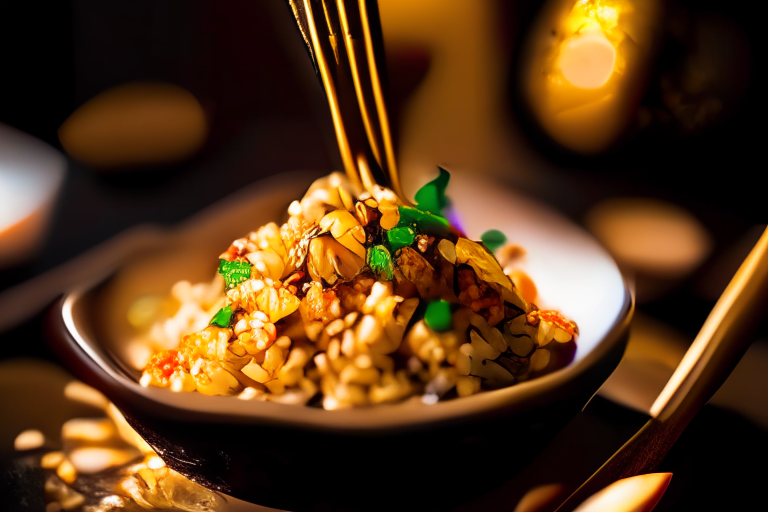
559,320
165,362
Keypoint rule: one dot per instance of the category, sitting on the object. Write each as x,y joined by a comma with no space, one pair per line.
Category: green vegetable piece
234,272
493,239
222,318
409,217
421,221
380,262
438,315
433,224
431,197
400,237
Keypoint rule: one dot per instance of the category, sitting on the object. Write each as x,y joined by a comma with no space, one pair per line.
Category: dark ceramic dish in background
406,455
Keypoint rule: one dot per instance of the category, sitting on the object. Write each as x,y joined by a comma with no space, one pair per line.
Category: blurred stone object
135,125
656,242
31,173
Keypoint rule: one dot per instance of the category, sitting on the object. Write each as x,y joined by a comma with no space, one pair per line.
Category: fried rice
356,300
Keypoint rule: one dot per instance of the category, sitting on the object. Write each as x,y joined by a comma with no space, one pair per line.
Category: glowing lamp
584,69
587,60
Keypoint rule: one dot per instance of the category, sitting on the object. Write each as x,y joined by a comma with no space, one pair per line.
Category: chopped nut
422,243
329,260
447,250
540,359
467,385
488,269
414,268
520,345
485,350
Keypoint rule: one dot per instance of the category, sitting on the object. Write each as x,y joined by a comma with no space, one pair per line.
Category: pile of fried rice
357,299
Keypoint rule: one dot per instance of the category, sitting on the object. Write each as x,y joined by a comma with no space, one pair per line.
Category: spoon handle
343,39
714,353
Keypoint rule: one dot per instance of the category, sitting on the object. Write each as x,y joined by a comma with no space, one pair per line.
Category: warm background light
137,124
655,241
587,60
452,118
585,67
650,235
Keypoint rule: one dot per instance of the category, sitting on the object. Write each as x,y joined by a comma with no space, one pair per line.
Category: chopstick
344,42
714,353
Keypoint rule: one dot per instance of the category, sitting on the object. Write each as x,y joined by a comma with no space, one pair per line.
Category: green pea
493,239
438,315
380,262
400,237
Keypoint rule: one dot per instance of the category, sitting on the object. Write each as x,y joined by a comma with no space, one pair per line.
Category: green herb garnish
421,221
431,197
222,318
234,272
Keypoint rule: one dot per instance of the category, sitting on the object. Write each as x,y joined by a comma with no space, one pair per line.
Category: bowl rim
90,361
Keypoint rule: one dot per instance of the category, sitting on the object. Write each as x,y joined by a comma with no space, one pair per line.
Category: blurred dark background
691,143
693,139
257,104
